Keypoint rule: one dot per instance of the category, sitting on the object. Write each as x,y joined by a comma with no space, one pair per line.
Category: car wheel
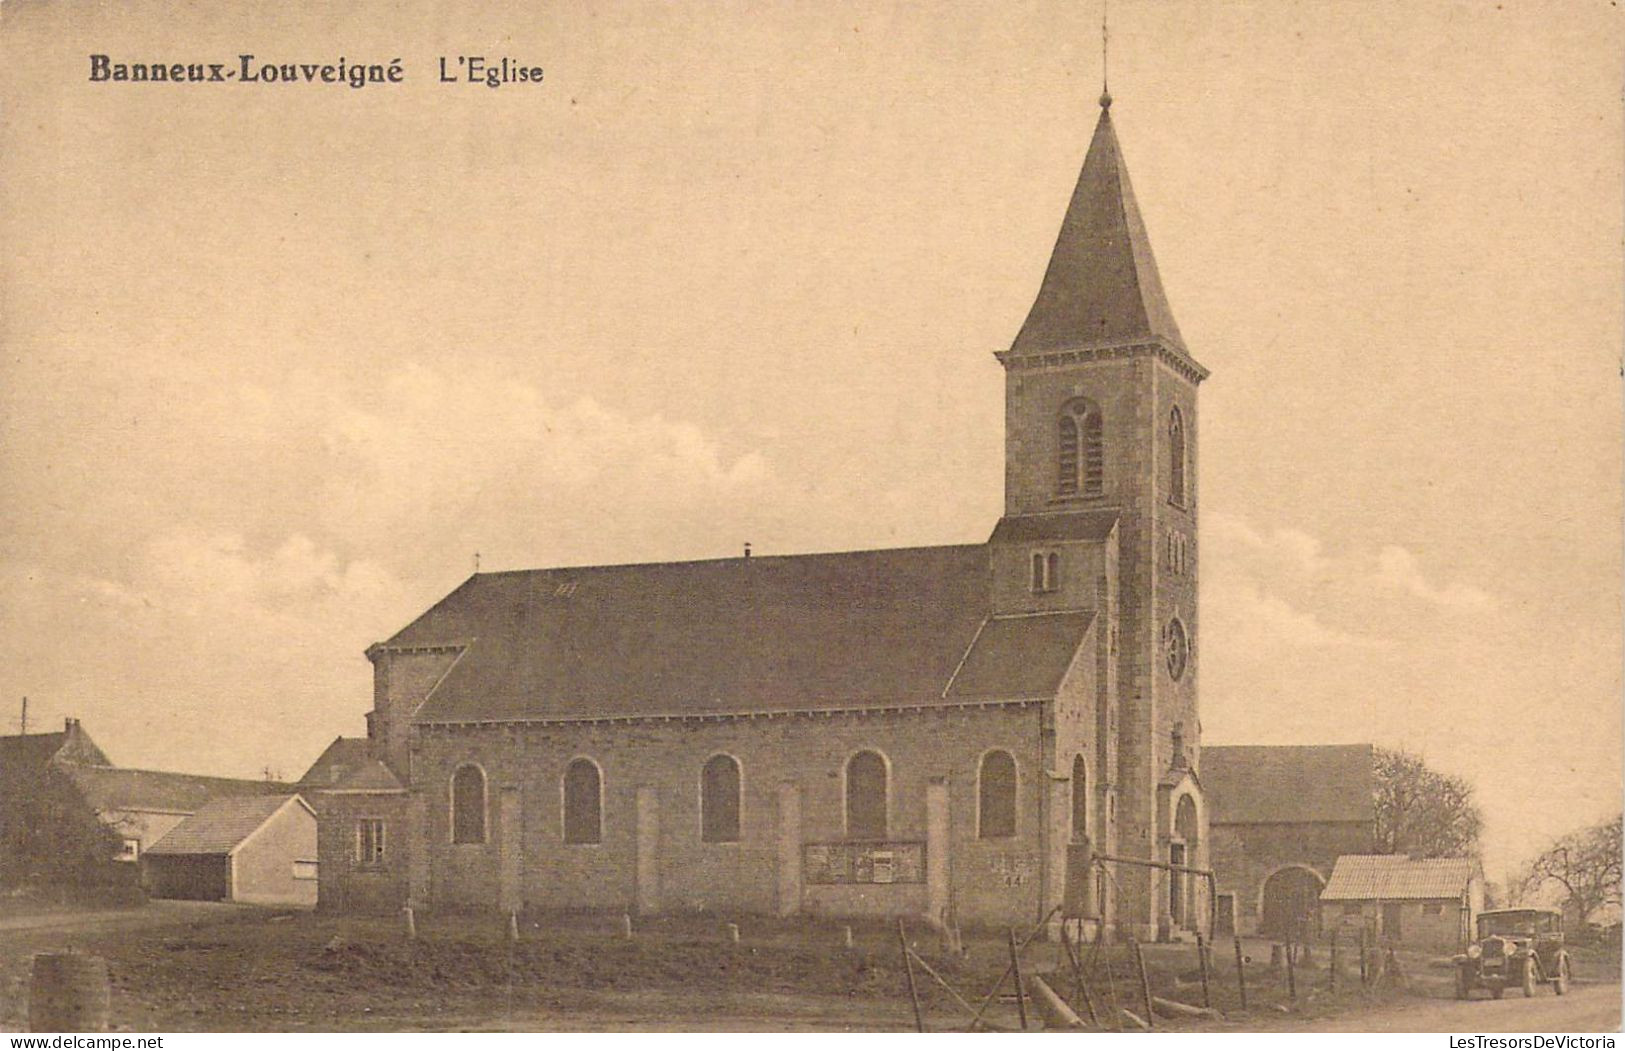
1529,968
1560,984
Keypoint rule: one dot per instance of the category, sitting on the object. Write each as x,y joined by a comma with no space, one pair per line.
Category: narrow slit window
1080,798
1176,456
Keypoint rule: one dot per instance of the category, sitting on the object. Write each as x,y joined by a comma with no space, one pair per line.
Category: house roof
30,751
336,762
222,825
1094,525
114,788
1101,285
1395,877
1265,784
763,634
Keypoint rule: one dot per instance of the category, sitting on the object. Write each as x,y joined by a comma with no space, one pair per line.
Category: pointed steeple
1102,286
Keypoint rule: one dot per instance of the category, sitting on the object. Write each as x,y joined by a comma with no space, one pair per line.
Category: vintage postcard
851,516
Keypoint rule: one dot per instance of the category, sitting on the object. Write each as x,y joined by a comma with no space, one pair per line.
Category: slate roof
1021,656
1395,877
370,775
1101,285
1094,525
31,751
763,634
337,761
114,788
1264,784
221,826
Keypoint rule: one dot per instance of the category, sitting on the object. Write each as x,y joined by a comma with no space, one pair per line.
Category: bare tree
1586,864
1422,812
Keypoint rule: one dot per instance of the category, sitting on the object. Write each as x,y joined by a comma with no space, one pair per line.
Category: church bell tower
1100,448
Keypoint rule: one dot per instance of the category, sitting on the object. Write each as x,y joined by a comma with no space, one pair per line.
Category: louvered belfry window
1081,465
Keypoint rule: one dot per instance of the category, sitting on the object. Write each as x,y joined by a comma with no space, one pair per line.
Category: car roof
1508,912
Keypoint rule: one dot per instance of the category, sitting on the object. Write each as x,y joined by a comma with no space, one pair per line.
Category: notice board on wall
890,862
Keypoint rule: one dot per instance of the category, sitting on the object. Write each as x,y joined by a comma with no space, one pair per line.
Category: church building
918,732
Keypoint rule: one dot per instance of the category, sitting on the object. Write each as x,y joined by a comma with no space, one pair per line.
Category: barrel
68,994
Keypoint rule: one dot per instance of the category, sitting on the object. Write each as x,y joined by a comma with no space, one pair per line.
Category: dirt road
1586,1009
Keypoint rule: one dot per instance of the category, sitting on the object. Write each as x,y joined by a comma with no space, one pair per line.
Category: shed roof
1395,877
1095,524
221,826
1024,655
1288,784
763,634
114,788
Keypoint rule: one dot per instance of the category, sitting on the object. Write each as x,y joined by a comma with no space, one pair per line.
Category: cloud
1278,550
1286,578
220,624
1240,614
1397,568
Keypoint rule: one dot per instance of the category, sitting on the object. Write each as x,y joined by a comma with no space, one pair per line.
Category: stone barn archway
1290,903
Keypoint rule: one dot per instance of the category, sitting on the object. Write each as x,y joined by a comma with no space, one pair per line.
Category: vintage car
1515,947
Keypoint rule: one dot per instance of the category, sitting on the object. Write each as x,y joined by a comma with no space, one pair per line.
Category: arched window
583,802
866,796
719,800
1176,456
1082,463
1080,798
468,805
996,796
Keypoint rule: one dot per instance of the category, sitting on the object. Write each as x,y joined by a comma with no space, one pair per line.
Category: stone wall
792,769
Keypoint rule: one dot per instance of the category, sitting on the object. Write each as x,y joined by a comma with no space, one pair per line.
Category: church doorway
1184,906
1290,905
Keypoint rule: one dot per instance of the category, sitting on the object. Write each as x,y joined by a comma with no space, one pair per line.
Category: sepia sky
278,359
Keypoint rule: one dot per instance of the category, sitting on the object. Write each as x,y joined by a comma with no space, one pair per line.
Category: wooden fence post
1021,993
1079,989
1201,962
1241,974
908,969
1145,987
